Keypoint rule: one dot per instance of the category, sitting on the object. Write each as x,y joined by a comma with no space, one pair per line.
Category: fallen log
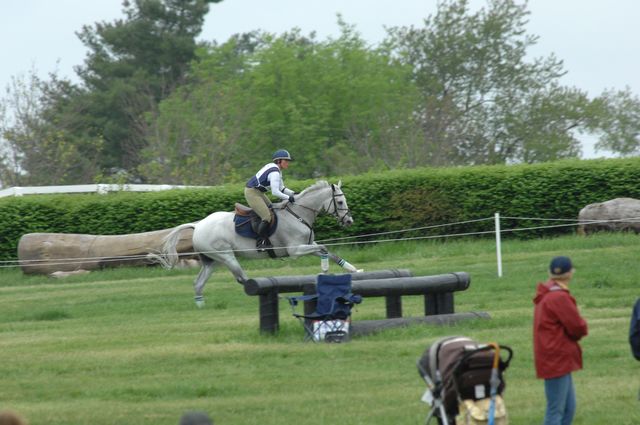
46,253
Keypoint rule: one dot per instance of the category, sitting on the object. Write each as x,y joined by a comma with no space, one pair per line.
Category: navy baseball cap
560,265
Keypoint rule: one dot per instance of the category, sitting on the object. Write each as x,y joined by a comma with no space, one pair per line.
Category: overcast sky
596,39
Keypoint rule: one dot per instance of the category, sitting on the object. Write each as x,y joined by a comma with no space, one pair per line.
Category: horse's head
326,197
337,206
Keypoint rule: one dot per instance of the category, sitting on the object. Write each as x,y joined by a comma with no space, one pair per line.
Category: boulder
620,214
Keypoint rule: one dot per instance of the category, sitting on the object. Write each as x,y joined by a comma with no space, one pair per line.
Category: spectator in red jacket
557,328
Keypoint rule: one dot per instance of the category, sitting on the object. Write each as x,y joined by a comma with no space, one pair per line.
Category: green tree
197,136
483,102
620,123
337,105
37,148
459,90
132,64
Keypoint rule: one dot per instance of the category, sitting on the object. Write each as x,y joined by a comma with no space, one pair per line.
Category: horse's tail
168,257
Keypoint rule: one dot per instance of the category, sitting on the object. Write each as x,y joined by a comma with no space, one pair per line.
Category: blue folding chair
330,320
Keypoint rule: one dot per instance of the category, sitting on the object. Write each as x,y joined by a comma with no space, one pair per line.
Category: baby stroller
464,381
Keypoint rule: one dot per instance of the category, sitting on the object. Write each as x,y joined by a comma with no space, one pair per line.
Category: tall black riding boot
263,236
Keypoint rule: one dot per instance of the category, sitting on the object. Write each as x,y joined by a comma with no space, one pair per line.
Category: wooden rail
392,284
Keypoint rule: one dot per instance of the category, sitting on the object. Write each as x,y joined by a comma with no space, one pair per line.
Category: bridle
335,213
336,210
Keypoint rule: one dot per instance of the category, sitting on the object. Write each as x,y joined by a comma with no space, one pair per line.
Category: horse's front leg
300,250
320,250
343,263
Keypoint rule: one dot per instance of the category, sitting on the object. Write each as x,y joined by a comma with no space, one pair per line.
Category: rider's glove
291,199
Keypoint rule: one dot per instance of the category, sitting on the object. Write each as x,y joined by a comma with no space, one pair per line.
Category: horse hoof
199,301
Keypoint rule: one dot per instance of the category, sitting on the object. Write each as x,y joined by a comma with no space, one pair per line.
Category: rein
302,220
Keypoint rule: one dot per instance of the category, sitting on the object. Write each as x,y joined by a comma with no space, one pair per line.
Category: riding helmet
282,154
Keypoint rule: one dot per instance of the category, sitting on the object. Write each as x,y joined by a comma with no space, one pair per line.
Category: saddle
246,221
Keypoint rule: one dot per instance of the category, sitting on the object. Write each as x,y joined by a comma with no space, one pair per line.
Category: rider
269,176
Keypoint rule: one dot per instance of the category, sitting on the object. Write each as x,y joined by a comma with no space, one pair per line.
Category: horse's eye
340,203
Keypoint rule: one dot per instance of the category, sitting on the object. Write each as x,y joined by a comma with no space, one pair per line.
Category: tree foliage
41,145
620,125
482,101
80,132
333,103
461,89
132,64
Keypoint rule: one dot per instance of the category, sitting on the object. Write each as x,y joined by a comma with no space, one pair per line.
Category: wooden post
445,303
430,305
394,306
438,303
269,316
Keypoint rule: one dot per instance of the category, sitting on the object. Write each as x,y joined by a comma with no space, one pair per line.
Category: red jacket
557,328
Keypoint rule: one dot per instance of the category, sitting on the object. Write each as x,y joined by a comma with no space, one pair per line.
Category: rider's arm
277,186
288,191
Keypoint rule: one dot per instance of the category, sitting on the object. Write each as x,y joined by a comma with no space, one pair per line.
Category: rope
579,221
406,230
67,261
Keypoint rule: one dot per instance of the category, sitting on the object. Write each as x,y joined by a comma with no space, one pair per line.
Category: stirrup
263,244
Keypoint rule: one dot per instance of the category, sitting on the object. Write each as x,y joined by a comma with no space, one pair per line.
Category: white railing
89,188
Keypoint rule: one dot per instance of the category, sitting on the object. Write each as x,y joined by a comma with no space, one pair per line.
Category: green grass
127,346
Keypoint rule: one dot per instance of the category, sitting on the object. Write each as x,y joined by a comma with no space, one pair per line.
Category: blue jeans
561,400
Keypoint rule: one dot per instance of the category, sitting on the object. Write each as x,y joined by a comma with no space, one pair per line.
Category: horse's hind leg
232,264
201,279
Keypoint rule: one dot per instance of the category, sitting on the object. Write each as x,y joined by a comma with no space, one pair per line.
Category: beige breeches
259,202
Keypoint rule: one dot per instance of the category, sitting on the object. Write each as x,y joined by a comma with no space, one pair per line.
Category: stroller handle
509,354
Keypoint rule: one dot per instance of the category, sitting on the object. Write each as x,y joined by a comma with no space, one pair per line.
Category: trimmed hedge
382,202
417,198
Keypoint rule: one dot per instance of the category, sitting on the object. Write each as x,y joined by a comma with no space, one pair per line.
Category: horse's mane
320,184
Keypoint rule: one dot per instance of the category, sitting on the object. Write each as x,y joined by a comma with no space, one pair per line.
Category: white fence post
498,244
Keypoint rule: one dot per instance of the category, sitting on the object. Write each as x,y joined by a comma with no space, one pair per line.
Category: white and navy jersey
269,177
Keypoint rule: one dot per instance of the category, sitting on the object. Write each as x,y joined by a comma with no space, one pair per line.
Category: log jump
45,253
392,284
268,288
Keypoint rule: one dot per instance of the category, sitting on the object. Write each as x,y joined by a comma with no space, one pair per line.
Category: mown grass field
128,346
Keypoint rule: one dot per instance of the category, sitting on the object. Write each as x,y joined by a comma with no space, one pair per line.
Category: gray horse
215,239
